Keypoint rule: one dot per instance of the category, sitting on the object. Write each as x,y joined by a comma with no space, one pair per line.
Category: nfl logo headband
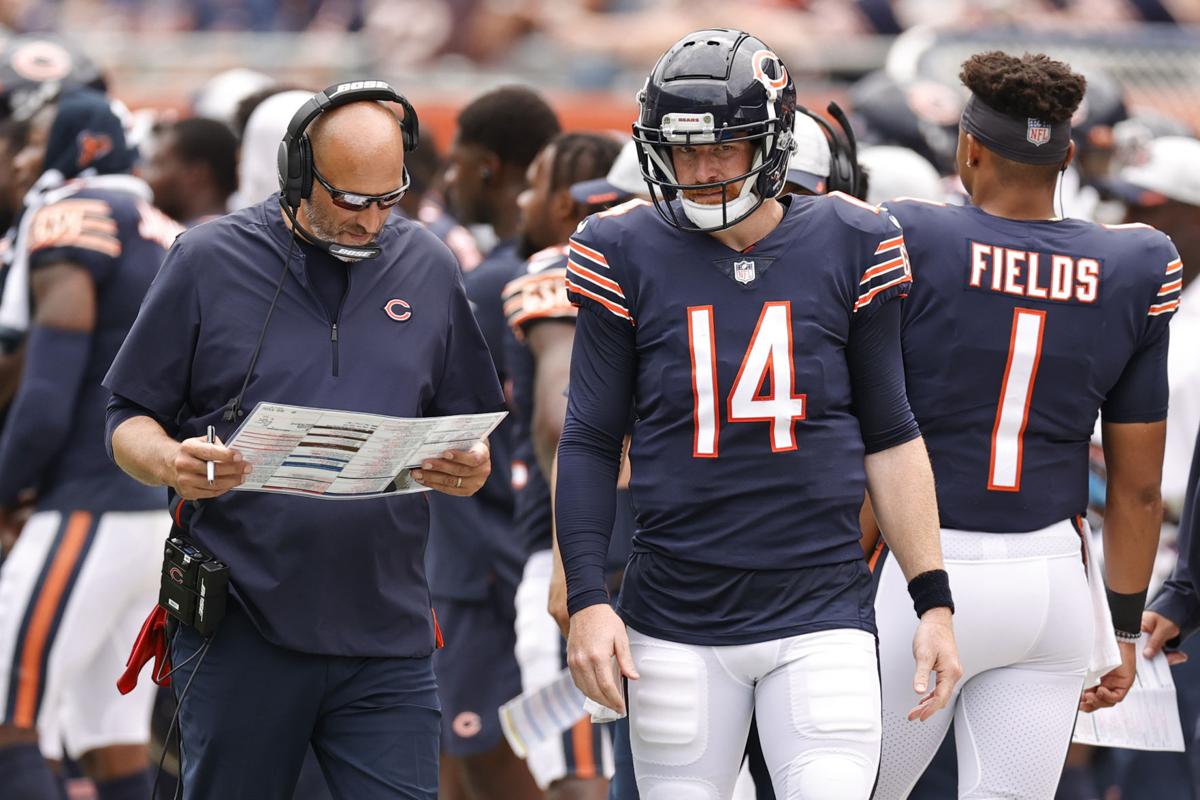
1025,139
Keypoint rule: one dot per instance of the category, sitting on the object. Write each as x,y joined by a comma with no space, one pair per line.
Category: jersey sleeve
1141,393
592,279
539,294
887,274
81,230
468,383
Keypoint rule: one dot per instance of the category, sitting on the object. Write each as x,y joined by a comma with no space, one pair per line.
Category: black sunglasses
352,201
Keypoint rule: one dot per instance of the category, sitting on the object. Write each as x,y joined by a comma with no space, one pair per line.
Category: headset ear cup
289,183
305,176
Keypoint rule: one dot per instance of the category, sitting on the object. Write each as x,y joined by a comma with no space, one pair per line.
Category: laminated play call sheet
343,455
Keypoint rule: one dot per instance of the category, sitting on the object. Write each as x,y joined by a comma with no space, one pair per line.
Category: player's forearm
900,482
588,465
44,408
143,450
1132,521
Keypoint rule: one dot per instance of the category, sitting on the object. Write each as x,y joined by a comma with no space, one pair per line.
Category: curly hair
1033,85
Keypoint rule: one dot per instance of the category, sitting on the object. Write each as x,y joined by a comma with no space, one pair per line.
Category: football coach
317,296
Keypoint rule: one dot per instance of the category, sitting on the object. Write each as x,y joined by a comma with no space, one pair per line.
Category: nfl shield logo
743,271
1038,132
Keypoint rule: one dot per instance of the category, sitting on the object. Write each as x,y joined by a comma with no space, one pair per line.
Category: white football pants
1023,624
817,702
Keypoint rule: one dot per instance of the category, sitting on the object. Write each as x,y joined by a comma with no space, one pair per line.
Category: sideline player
85,568
542,321
758,340
475,556
1019,328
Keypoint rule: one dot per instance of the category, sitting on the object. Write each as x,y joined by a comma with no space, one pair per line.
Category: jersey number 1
769,357
1012,413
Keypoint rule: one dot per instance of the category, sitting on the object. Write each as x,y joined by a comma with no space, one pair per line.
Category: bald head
359,147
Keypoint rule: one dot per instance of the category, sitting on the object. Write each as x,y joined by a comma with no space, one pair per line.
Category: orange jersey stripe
581,745
45,610
889,244
879,269
1174,266
611,306
587,252
599,280
869,296
1173,286
1163,308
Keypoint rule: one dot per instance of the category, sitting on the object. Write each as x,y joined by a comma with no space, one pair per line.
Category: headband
1028,140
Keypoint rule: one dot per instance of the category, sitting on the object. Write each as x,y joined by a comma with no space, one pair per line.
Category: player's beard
324,228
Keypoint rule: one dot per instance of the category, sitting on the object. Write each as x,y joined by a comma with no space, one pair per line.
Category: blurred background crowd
209,85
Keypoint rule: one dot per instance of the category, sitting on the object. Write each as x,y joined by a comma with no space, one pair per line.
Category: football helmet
36,68
715,86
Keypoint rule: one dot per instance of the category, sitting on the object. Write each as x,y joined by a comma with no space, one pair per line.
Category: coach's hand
1161,630
934,651
1115,684
460,473
597,634
187,470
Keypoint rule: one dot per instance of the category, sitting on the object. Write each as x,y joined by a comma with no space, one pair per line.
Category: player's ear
563,206
1070,157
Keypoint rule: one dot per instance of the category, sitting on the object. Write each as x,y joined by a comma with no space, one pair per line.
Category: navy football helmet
36,68
715,86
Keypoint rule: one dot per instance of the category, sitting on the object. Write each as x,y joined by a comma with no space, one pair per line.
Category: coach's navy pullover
331,577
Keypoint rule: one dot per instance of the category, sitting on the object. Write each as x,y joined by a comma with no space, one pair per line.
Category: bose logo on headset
356,85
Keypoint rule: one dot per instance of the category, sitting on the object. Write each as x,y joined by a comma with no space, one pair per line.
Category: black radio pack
193,586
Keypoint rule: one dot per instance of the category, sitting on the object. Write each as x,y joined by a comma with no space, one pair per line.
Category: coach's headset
296,181
296,158
845,174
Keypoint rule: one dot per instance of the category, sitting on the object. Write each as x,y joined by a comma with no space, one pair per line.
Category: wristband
1126,636
1127,611
931,589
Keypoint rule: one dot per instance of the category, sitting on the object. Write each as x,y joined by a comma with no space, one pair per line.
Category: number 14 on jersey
767,361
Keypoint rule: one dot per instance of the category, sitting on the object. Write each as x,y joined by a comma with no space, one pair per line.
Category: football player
192,169
538,353
475,556
758,341
78,582
1019,329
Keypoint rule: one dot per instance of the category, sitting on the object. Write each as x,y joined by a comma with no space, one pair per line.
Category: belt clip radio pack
193,586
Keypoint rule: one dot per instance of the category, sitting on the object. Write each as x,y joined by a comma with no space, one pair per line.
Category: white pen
209,465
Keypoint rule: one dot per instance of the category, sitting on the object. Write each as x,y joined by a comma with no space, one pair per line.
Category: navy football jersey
539,292
1016,334
121,240
747,456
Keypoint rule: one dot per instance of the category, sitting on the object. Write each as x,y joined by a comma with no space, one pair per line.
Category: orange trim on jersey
873,561
1173,286
869,296
1175,266
599,280
581,746
889,244
854,201
1164,308
558,312
1037,360
589,253
623,208
879,269
614,308
437,630
65,559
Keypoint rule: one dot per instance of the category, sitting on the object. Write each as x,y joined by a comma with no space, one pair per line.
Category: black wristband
1127,610
931,590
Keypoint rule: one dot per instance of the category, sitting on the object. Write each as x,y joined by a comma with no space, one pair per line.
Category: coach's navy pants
253,708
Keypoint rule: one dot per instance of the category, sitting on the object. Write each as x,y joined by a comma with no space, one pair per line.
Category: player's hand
1114,685
557,604
1161,630
935,651
596,635
460,473
187,470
